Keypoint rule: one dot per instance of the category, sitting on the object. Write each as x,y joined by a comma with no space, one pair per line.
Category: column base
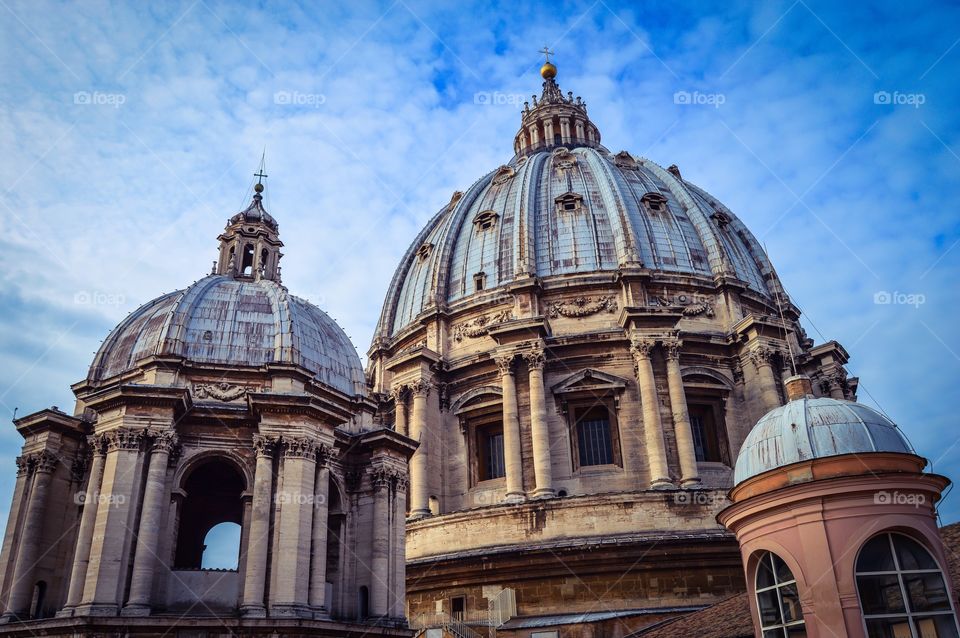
135,610
515,497
547,492
662,484
689,483
321,613
290,610
66,612
418,514
94,609
253,611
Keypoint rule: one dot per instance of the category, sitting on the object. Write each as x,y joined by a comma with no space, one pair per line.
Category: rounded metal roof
569,211
813,428
223,320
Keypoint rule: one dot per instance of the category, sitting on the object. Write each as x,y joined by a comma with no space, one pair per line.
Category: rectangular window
490,447
706,443
593,437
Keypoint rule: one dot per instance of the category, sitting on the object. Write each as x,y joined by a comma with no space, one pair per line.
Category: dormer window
625,160
504,174
479,281
485,220
655,202
721,219
424,251
569,203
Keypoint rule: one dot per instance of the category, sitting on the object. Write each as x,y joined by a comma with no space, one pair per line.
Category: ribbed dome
224,320
813,428
564,212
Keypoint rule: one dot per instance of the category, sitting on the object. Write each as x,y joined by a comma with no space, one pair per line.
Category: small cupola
250,244
554,119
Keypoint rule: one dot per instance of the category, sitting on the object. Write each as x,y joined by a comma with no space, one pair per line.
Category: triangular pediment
589,379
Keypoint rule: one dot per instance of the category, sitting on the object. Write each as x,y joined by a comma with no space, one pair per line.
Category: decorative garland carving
688,307
583,306
221,391
480,326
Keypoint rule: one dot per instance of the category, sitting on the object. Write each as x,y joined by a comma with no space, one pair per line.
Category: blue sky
130,132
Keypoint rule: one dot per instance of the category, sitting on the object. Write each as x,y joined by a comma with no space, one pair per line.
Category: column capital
299,448
642,347
400,480
761,356
399,393
504,362
123,439
536,359
379,478
421,387
265,445
45,462
671,348
324,454
23,465
164,441
97,444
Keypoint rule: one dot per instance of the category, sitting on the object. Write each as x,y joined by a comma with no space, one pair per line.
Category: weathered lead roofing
224,320
513,223
813,428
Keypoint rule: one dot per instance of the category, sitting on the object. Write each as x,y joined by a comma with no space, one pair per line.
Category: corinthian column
539,427
259,538
762,358
8,557
318,565
652,426
689,474
296,528
419,490
380,546
398,584
399,395
81,556
21,589
148,534
511,430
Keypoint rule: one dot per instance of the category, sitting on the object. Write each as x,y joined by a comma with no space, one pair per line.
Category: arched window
214,495
902,591
246,268
778,600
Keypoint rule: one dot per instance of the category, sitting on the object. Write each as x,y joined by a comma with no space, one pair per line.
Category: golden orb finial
258,188
548,71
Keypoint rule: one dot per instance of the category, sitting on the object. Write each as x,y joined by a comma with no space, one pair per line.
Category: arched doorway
213,497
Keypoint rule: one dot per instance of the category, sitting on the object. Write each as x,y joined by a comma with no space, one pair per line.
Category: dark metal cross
260,175
546,52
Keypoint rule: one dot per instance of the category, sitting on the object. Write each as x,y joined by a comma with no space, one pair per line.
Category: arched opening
246,268
221,547
213,496
264,258
36,603
363,602
902,590
778,600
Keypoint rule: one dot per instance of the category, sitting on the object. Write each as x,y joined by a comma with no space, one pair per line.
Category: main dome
563,206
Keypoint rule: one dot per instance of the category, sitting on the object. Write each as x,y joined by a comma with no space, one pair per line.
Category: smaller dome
813,428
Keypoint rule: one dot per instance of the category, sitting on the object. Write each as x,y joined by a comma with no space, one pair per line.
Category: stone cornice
174,398
50,419
300,404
